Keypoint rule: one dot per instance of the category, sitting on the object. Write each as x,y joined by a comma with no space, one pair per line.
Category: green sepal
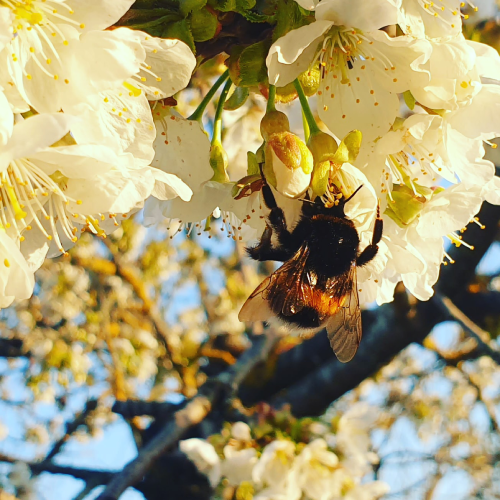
348,149
409,99
182,31
404,207
204,24
247,65
319,180
219,162
252,164
188,6
237,98
274,122
246,186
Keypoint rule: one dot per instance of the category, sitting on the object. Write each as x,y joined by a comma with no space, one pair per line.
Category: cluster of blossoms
410,97
76,127
420,100
265,468
404,95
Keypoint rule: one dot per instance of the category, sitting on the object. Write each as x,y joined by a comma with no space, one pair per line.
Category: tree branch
387,331
214,390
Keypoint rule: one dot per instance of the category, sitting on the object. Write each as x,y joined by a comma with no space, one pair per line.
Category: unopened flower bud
219,162
274,122
289,164
309,80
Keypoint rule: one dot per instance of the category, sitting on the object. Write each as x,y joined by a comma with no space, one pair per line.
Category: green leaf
409,99
151,4
255,17
288,17
247,65
188,6
233,5
204,24
237,98
182,31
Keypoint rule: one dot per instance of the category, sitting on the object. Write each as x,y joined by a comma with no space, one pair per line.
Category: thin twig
480,336
71,427
193,413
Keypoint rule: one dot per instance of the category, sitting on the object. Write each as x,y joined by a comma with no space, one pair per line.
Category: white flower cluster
284,470
76,127
424,99
423,159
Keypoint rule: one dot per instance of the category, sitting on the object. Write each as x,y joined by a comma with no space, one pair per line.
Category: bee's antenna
352,195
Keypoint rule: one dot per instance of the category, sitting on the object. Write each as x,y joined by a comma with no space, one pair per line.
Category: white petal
430,21
129,128
366,16
292,54
98,14
80,161
168,186
448,211
35,134
98,60
487,60
481,118
345,107
5,26
492,191
181,148
110,192
6,120
171,60
16,279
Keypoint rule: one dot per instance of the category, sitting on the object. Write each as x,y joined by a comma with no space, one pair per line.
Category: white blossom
204,456
362,69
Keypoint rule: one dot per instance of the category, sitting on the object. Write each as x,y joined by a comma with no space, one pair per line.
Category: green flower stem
313,126
305,125
271,98
217,137
198,113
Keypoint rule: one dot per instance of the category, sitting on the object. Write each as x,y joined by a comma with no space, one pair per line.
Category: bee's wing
344,328
285,291
256,307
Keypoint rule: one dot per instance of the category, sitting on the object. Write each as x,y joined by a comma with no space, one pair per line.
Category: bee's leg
265,251
371,250
276,217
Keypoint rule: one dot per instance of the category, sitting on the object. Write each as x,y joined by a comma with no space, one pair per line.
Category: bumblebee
316,287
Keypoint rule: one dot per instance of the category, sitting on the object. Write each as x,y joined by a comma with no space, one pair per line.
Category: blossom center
29,196
35,28
347,57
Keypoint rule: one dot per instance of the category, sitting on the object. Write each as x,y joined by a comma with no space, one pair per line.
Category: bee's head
331,203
